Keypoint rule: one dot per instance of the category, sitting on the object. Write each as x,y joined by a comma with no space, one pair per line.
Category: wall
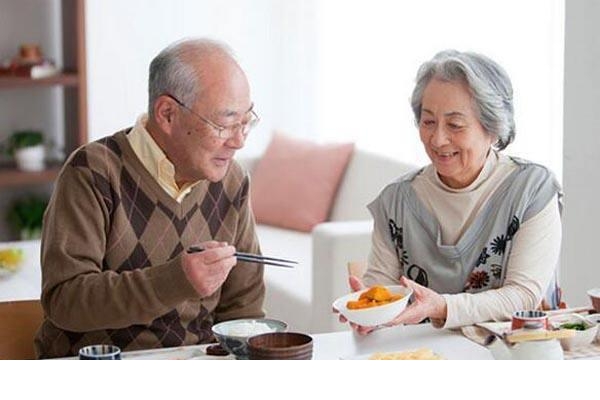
120,46
581,174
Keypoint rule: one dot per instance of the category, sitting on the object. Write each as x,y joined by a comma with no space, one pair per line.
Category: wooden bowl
280,346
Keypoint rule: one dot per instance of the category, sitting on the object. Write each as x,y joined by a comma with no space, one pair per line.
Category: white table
449,344
26,283
345,345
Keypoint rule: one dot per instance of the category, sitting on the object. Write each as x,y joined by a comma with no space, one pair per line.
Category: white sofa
302,296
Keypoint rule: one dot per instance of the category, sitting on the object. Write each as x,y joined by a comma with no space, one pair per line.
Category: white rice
245,329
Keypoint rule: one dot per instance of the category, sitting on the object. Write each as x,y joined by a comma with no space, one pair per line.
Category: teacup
530,318
595,298
100,352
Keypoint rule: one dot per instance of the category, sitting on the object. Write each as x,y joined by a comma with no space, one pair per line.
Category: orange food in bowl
375,296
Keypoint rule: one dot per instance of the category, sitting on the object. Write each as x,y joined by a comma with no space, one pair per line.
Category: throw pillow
294,184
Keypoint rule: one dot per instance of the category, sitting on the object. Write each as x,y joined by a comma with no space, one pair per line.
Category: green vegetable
578,326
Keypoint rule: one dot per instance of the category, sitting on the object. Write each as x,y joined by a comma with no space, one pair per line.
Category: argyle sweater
111,255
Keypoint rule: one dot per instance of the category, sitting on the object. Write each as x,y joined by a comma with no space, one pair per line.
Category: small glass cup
100,352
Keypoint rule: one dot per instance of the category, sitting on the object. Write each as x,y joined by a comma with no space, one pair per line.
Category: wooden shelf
10,176
65,79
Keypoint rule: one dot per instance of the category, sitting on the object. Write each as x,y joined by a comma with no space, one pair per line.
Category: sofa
302,296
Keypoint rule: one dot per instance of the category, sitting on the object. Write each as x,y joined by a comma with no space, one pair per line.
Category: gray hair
172,73
488,82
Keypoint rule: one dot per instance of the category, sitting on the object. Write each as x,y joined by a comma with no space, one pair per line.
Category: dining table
347,345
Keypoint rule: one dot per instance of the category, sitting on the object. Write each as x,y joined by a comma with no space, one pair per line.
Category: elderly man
127,207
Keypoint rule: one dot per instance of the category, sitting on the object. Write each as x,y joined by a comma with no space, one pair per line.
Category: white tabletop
26,282
448,344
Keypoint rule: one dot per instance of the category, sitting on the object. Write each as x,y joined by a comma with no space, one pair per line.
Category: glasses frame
232,129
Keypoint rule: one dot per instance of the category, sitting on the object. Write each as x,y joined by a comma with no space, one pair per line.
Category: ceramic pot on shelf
31,158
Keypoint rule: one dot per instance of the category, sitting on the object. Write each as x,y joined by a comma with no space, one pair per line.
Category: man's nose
237,141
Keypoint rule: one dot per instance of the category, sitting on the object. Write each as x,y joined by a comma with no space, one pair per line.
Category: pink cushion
294,184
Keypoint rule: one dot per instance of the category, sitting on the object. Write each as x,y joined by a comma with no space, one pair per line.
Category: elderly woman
476,234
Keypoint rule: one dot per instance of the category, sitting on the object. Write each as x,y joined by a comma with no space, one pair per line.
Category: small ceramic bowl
595,318
595,298
233,335
581,338
377,315
280,346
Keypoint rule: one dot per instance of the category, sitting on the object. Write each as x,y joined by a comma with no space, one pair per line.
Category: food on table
375,296
216,350
578,326
245,329
420,354
10,259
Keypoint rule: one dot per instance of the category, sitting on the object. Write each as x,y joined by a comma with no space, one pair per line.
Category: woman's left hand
426,304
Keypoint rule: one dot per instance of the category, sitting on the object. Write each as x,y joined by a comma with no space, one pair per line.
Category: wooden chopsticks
254,258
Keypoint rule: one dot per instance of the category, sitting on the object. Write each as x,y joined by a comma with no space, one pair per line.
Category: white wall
370,50
268,36
581,172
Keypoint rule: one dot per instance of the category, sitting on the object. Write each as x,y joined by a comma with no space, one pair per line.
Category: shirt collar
155,160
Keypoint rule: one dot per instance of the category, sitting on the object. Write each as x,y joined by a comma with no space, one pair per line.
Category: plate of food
374,306
413,354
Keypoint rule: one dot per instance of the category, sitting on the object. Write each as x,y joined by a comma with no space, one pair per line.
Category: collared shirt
155,160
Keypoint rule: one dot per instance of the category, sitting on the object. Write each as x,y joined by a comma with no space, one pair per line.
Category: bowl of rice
233,335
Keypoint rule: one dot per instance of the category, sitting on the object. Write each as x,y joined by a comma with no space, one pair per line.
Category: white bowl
581,338
377,315
595,298
595,318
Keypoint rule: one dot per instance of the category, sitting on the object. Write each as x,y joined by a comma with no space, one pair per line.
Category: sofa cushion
295,182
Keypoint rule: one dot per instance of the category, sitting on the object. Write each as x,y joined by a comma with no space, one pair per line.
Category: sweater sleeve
77,294
531,265
243,292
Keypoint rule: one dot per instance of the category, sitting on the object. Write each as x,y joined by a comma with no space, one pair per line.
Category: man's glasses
225,132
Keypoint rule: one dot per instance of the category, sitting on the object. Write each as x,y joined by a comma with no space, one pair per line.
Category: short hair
172,73
488,82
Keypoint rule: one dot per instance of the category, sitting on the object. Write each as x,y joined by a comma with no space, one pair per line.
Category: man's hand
207,270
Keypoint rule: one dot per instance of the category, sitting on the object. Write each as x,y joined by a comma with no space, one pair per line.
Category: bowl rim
306,345
281,325
594,292
345,298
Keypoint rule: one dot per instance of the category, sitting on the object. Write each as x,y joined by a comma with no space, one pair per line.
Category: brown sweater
111,255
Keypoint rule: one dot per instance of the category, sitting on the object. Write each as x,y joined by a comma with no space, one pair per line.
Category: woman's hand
426,304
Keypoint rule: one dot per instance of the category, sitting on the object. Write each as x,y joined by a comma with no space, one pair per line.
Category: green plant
22,139
26,215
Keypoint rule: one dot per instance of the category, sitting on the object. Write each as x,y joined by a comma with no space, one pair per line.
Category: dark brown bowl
280,346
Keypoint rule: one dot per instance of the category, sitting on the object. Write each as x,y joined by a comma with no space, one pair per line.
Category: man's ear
164,113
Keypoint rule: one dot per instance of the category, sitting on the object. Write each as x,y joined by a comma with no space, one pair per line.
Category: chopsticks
254,258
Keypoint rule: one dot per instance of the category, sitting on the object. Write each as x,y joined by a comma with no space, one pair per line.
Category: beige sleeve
384,267
77,294
531,265
243,292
